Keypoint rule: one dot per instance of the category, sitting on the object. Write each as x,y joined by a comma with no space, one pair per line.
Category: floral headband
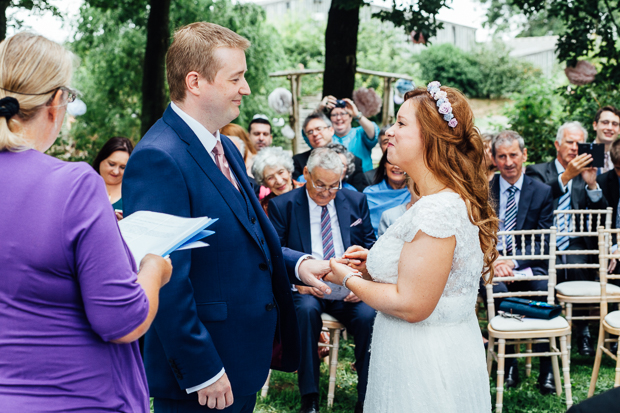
444,107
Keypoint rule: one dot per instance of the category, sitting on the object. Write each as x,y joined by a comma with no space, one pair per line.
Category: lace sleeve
438,215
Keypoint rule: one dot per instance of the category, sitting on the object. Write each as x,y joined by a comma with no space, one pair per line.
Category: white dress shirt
315,229
595,194
503,201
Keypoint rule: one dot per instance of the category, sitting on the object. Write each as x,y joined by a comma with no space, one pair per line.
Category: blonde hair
32,69
193,49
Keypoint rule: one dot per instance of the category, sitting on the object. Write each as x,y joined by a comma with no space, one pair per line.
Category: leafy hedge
486,72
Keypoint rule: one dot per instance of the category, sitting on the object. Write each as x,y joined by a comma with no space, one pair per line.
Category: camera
341,104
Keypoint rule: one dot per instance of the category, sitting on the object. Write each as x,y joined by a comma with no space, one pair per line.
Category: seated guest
573,185
391,215
521,203
359,140
606,125
610,183
388,190
322,220
241,138
487,138
347,163
383,143
318,131
260,132
272,168
110,163
72,304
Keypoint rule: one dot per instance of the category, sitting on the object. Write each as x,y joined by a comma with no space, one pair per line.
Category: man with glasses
324,220
319,132
359,140
606,125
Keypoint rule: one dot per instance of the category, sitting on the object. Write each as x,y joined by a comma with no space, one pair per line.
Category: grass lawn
284,396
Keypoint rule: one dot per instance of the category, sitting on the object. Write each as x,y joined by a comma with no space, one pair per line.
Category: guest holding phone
72,303
110,163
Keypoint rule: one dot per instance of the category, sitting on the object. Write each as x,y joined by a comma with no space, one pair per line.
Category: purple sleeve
115,304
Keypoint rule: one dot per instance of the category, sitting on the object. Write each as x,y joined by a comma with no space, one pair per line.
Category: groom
229,304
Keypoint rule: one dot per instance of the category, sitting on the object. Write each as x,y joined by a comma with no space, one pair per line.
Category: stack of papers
148,232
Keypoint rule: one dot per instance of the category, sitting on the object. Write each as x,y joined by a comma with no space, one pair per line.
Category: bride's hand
356,256
339,271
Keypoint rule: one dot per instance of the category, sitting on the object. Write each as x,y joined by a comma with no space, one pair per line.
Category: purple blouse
67,287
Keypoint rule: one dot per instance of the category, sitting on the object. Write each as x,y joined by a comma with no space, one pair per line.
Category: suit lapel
200,155
302,217
525,199
495,194
614,190
344,218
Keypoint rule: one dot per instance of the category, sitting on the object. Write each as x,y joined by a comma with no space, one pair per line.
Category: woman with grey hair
273,169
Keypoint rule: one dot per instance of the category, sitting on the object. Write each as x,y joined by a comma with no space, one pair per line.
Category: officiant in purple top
71,303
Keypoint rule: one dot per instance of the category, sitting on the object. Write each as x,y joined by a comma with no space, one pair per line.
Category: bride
423,274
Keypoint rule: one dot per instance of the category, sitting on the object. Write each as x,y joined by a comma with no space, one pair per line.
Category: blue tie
510,221
562,220
326,235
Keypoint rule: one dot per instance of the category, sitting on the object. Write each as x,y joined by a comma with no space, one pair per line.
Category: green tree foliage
31,5
581,103
451,66
587,28
111,43
503,15
486,72
536,114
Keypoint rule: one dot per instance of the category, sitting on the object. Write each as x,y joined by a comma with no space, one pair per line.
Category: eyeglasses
316,130
332,190
72,94
511,315
339,115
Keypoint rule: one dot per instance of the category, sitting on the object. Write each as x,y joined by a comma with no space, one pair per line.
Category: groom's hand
218,395
311,272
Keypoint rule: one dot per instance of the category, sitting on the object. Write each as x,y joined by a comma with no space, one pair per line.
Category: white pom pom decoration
281,101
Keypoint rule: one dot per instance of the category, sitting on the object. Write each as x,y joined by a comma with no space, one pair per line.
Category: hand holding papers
147,232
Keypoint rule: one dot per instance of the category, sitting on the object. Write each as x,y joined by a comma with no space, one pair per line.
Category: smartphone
597,150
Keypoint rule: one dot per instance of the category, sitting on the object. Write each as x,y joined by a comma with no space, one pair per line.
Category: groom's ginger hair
193,49
456,157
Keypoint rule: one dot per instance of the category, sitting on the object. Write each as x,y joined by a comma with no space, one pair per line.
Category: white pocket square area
359,221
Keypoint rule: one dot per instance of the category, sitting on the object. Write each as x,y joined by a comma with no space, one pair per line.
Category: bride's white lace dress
437,365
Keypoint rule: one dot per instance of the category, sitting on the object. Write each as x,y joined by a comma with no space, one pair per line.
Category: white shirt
315,229
595,195
503,201
205,137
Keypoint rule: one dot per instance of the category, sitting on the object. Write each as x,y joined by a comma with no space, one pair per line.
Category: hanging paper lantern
288,132
421,38
583,73
367,101
281,101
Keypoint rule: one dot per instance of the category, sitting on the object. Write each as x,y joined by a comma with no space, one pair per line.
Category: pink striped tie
222,163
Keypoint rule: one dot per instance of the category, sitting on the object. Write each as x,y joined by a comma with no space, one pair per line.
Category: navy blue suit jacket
224,303
535,211
290,215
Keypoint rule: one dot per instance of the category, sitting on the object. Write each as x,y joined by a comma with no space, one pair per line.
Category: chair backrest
608,245
525,249
582,222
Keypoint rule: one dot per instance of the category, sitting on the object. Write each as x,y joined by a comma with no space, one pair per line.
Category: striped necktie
326,234
510,220
563,220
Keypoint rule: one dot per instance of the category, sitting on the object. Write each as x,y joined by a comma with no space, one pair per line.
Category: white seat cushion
584,288
327,317
613,319
510,324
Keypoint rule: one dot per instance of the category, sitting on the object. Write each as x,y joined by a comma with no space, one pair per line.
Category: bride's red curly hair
456,157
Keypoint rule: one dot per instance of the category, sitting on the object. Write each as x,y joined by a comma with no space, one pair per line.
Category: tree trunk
340,50
154,72
4,4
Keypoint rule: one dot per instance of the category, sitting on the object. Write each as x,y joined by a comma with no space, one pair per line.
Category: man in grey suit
573,185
